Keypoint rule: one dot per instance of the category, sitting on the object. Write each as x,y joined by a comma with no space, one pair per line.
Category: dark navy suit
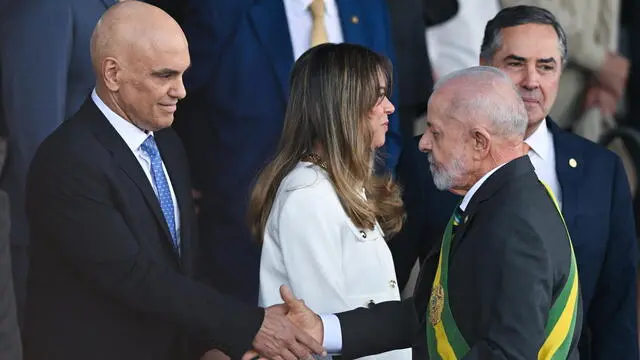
597,207
232,117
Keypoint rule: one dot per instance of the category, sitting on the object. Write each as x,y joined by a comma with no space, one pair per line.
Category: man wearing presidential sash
506,282
503,283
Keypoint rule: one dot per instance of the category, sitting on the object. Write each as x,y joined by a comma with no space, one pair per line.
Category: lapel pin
573,163
355,19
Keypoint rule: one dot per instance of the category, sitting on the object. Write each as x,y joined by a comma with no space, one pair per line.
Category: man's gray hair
483,93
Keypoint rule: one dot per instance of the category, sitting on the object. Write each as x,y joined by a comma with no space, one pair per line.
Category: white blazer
311,245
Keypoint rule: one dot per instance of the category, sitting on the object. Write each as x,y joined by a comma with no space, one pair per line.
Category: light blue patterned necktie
162,187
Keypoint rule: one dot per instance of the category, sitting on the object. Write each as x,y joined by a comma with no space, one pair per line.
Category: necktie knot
150,147
317,9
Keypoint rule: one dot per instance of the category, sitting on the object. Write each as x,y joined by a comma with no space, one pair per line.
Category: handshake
289,331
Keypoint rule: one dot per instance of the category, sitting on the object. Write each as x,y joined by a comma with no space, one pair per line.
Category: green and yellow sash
447,343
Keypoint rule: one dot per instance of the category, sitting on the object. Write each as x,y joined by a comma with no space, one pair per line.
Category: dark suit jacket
509,261
37,95
232,118
105,281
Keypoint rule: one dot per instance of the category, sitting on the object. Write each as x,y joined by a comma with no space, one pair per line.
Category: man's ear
481,141
110,72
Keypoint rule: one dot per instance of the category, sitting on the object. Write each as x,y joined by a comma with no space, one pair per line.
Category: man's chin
535,113
439,183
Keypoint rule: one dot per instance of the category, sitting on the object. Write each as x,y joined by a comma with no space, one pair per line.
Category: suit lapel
508,172
270,24
568,175
125,159
352,21
181,188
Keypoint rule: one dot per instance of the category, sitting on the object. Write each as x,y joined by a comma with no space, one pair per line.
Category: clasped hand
289,331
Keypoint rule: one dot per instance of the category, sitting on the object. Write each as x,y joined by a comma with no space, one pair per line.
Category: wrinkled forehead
530,42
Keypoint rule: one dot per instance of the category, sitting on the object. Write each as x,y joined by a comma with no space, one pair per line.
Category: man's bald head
139,54
484,96
476,120
132,26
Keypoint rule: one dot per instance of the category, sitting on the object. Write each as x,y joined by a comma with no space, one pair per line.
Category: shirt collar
469,195
302,6
541,141
131,134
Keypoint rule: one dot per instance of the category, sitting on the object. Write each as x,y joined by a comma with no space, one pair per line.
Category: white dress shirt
455,44
312,246
300,23
134,137
543,158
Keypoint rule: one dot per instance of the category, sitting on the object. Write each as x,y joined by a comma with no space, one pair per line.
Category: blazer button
371,303
392,284
364,234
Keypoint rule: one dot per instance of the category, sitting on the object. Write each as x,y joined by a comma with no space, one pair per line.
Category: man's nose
425,143
531,80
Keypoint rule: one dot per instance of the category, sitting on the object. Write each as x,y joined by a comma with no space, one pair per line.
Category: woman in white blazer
318,209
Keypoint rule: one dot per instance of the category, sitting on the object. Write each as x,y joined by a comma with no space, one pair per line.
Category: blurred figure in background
46,75
454,44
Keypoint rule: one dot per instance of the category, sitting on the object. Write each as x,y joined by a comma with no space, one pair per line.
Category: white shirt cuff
332,341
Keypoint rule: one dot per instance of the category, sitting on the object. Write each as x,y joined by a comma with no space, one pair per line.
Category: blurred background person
46,75
453,45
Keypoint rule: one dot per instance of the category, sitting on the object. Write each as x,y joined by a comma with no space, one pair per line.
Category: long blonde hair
333,87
